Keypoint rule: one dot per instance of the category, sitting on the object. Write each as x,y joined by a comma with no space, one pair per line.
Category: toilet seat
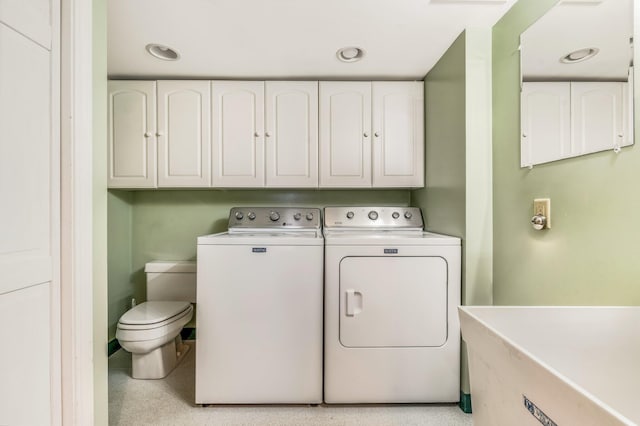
149,322
153,314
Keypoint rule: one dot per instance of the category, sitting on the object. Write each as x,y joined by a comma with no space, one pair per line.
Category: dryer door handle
353,302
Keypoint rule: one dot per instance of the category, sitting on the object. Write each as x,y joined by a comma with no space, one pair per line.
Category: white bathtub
553,365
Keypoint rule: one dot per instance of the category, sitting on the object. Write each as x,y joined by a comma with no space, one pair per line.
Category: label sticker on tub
259,249
537,413
390,251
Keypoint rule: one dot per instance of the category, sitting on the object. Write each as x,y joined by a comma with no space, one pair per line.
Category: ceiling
578,24
289,39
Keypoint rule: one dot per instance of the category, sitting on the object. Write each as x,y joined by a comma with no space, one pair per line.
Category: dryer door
393,301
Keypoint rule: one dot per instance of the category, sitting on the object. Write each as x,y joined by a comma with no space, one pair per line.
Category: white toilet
151,330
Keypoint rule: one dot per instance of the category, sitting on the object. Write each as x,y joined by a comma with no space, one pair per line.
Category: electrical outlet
542,206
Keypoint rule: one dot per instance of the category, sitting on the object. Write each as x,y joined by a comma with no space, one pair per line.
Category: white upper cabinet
398,134
568,119
291,136
597,116
184,141
345,134
546,118
275,134
131,134
371,134
238,133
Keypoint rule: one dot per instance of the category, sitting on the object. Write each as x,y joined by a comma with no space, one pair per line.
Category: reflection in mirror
577,81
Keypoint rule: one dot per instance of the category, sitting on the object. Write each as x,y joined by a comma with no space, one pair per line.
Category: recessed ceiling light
162,52
350,54
580,55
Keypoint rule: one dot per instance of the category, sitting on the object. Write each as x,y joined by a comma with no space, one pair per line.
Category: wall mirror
577,81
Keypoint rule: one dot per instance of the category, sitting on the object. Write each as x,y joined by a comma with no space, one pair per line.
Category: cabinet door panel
238,139
345,139
398,139
291,112
131,134
596,116
184,141
546,131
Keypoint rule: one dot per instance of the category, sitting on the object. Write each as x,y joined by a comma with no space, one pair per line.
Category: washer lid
153,312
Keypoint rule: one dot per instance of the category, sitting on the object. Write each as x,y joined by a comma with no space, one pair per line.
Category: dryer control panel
373,217
274,217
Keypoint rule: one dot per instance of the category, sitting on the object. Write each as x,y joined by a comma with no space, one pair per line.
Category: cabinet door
238,139
597,116
345,134
131,134
398,134
545,122
184,142
291,137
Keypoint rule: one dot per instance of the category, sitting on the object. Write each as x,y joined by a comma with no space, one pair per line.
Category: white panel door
393,301
345,134
545,122
597,116
398,134
132,134
30,18
29,222
291,136
237,133
184,141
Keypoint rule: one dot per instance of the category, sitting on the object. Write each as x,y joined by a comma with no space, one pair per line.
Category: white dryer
391,291
259,315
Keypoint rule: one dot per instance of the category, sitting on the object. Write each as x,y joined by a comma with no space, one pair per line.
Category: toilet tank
171,280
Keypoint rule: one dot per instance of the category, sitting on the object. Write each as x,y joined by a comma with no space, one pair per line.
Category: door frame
76,186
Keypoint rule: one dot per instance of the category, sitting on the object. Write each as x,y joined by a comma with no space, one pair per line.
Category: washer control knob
373,215
407,215
395,215
274,216
297,216
251,215
239,215
309,216
350,215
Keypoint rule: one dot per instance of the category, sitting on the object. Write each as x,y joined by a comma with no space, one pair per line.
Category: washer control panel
274,217
373,217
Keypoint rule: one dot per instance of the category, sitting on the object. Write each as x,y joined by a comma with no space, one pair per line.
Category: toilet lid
153,312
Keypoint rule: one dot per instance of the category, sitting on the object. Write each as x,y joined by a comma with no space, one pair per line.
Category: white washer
391,291
259,316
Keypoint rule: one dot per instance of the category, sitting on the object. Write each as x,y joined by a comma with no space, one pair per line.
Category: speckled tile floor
170,402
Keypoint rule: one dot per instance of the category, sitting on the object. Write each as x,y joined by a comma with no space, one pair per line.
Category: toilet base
158,363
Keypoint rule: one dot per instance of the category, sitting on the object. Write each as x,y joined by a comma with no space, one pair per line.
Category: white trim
76,212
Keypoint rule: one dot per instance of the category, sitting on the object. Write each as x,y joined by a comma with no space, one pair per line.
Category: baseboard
113,346
465,402
186,334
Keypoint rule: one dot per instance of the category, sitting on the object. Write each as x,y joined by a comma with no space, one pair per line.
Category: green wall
164,225
457,197
590,256
121,290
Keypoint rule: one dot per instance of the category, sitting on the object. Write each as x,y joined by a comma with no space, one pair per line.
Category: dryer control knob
309,216
373,215
239,215
251,215
274,216
297,216
407,215
395,215
350,215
